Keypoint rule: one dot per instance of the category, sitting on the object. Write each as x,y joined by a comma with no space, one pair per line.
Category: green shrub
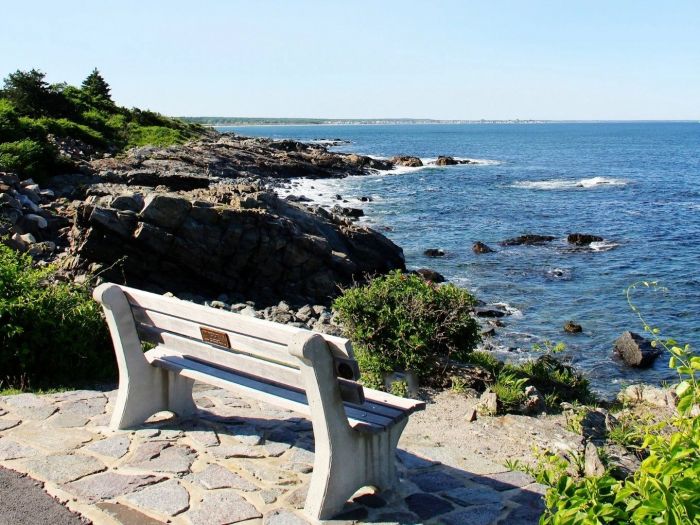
27,157
666,487
402,322
154,136
51,334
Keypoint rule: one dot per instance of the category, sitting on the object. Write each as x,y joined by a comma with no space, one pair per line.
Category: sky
491,59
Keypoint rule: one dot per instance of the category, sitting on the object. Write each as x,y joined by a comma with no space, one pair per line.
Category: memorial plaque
214,337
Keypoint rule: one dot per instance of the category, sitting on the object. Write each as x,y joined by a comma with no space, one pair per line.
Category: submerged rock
431,275
480,247
582,239
572,328
434,252
529,239
635,351
445,161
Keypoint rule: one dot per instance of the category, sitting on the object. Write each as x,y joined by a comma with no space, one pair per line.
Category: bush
51,334
27,157
401,322
154,136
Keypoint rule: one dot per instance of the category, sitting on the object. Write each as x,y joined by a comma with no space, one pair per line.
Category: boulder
445,161
434,252
582,239
488,403
529,239
572,328
593,466
635,351
165,210
347,212
480,247
534,401
408,161
430,275
650,394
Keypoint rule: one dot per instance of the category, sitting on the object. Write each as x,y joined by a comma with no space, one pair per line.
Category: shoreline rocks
480,247
572,328
635,351
582,239
434,252
528,239
407,161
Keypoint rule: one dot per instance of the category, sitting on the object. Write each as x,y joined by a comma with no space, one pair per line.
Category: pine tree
96,86
28,91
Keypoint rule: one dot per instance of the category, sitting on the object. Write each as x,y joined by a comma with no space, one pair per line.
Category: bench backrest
248,345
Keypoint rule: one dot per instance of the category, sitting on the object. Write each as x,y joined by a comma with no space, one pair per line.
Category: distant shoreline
244,122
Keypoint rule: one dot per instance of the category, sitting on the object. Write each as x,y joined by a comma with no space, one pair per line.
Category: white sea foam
603,246
510,310
568,184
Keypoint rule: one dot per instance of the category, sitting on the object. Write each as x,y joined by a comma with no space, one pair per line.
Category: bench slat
261,391
244,344
406,404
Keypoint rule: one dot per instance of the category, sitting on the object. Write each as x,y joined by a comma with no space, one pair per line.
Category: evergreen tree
28,92
96,86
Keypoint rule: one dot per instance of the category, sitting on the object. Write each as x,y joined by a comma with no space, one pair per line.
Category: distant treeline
251,121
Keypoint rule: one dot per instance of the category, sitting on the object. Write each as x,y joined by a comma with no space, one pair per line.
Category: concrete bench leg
143,389
360,460
345,459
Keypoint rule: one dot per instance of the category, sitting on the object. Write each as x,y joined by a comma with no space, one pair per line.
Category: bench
356,429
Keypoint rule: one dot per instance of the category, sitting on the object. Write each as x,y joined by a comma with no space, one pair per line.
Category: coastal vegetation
36,118
665,488
401,322
51,333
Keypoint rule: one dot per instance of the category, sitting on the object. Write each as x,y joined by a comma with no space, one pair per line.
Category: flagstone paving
239,461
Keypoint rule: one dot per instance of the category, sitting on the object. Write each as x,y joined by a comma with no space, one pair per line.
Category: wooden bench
356,429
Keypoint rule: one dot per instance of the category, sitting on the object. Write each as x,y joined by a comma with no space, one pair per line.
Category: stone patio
240,462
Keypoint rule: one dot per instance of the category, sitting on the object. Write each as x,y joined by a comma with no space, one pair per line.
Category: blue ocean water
635,184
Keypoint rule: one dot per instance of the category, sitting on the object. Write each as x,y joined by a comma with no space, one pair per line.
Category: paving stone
204,436
102,420
301,468
301,455
168,498
297,498
276,449
222,507
77,395
204,402
246,434
283,435
527,498
370,500
126,515
466,496
476,515
113,447
3,411
218,477
354,515
505,480
269,496
435,481
269,474
170,434
523,515
163,456
412,461
10,449
396,518
283,517
427,506
63,468
147,433
85,407
239,451
62,420
9,423
109,485
53,440
24,401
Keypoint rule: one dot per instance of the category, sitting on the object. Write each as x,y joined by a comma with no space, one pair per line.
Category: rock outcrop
233,239
407,161
198,163
635,351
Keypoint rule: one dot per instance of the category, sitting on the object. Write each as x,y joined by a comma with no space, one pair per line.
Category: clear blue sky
499,59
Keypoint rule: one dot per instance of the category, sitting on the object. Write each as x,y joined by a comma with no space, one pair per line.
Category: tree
28,92
96,86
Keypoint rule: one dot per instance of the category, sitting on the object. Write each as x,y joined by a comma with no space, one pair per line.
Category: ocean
637,185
